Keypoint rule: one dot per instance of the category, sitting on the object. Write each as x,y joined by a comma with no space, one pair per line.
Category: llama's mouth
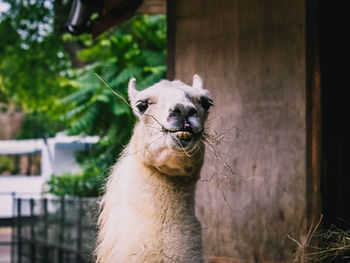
183,136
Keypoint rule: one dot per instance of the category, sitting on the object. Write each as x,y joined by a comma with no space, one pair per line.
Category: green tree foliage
87,184
6,164
38,125
32,57
34,62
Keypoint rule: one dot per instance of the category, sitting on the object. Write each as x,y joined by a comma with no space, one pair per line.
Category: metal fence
54,230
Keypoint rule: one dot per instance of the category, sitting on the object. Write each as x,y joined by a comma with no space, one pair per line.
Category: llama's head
171,118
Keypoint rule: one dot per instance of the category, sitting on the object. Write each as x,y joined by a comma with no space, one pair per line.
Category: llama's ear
132,91
197,82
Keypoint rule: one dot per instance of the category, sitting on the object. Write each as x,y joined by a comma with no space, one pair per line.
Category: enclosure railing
54,230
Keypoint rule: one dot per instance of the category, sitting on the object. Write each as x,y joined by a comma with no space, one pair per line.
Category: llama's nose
179,116
182,111
184,117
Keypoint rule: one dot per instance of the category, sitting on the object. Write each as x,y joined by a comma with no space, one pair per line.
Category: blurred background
274,186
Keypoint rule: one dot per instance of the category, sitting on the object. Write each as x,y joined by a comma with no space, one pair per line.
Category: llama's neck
151,193
149,215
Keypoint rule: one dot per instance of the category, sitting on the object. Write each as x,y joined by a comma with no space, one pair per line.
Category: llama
147,213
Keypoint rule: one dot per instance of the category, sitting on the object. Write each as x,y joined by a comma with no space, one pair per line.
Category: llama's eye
142,105
206,103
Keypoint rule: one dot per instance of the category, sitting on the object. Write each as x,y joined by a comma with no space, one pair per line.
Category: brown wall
251,55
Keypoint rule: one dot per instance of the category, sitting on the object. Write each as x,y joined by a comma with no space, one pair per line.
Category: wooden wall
251,55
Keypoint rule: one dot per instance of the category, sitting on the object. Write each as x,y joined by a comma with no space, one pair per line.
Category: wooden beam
171,33
116,12
152,7
114,16
314,123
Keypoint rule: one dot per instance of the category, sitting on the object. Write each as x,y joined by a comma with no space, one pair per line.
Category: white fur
148,209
